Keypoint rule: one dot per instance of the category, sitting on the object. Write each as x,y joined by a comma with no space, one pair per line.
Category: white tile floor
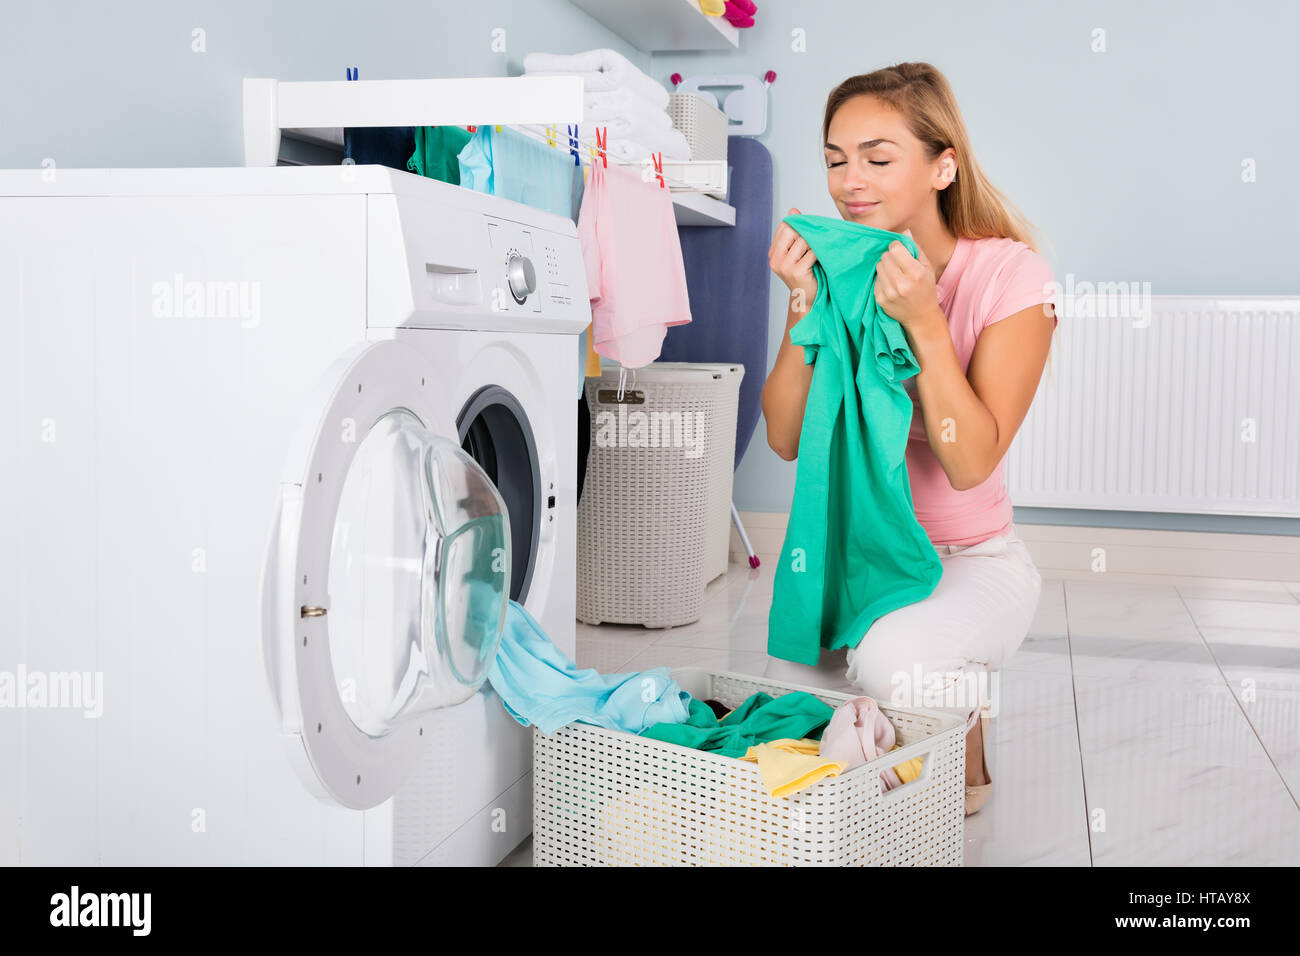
1145,720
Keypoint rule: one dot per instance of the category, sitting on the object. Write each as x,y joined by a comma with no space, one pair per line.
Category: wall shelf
663,26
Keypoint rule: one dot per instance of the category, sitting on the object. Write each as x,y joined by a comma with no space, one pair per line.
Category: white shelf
657,26
697,209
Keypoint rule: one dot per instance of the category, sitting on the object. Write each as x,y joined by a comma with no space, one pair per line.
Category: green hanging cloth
853,550
436,149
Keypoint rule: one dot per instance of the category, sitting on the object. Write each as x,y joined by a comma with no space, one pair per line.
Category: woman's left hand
905,287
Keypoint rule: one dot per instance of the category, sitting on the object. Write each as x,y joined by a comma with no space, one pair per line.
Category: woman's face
876,170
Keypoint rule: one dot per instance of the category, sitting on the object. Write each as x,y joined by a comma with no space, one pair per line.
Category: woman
975,306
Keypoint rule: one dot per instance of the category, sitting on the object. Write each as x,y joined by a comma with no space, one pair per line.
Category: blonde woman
976,308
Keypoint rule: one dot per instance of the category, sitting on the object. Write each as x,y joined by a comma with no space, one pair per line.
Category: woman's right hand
792,260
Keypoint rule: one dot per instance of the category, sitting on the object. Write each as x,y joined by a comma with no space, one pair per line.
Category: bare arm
970,419
785,393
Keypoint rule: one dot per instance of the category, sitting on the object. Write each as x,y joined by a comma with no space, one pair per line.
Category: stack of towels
616,95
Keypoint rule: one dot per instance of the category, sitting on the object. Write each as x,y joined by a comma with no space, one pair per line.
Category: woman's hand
905,287
792,261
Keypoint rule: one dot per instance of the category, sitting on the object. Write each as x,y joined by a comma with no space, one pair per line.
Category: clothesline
589,150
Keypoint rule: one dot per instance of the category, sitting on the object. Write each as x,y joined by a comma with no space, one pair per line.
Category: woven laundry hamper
653,519
607,798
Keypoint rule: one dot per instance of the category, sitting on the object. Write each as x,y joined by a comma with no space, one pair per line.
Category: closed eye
874,162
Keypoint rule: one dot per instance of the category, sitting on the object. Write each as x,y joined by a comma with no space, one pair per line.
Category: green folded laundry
853,549
759,719
436,152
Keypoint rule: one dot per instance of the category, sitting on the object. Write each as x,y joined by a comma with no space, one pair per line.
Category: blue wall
1128,161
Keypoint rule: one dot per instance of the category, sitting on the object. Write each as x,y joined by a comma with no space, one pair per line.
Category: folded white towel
671,142
601,71
624,102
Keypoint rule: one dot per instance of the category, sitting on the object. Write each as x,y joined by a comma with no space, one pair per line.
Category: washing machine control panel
473,262
539,266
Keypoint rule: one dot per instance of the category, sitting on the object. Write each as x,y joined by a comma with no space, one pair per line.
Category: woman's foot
975,756
978,779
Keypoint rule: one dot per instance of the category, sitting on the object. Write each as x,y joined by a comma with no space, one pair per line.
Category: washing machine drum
419,574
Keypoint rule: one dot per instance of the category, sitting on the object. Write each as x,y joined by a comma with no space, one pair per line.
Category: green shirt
760,718
853,550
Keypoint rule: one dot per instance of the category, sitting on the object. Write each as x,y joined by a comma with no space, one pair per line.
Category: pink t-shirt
985,281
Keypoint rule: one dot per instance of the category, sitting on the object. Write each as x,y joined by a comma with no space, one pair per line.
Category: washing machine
257,422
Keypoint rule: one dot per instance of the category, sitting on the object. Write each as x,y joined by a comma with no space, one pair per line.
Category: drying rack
319,110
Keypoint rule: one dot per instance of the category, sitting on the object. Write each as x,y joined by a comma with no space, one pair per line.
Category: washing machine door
387,575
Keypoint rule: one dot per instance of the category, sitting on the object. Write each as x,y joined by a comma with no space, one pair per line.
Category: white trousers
940,653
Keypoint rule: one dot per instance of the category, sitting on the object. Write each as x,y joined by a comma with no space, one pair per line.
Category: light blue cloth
539,685
517,167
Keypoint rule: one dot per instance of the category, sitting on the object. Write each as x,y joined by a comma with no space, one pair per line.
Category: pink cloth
859,732
985,281
635,275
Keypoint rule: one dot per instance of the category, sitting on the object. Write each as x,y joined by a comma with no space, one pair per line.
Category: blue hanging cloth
539,685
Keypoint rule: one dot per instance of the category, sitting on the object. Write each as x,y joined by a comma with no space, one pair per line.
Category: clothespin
550,134
472,129
498,129
659,167
573,144
353,73
602,140
769,78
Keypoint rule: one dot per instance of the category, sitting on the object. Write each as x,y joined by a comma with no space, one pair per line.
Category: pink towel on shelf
635,276
859,732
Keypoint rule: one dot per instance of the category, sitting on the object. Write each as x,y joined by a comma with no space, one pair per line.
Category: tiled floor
1144,721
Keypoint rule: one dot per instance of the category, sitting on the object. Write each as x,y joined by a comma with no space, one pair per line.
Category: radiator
1188,404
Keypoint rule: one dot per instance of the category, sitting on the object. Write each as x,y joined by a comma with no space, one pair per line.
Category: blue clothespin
353,73
573,144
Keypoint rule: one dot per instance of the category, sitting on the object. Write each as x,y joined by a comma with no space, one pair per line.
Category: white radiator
1191,407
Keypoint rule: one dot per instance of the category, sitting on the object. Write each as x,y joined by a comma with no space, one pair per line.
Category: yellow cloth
713,8
593,359
909,770
789,766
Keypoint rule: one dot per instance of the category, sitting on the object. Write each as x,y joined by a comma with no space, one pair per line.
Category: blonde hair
970,205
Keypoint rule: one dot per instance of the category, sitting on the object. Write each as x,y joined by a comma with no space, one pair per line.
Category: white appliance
196,364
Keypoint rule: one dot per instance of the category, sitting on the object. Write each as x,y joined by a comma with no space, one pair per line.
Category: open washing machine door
387,575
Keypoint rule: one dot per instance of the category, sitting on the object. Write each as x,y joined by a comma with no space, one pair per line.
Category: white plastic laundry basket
608,798
702,123
653,521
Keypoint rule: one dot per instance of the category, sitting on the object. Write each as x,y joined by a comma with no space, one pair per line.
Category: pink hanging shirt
985,281
635,275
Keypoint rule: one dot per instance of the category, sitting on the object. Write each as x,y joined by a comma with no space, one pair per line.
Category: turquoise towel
539,685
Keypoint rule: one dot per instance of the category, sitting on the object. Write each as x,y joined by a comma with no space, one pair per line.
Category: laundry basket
607,798
654,518
703,124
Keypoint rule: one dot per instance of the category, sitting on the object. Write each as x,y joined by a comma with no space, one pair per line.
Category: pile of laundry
631,106
796,739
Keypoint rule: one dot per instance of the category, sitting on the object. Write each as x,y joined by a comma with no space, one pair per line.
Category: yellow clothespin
550,135
498,129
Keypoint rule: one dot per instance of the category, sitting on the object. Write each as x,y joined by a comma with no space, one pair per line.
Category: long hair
970,205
